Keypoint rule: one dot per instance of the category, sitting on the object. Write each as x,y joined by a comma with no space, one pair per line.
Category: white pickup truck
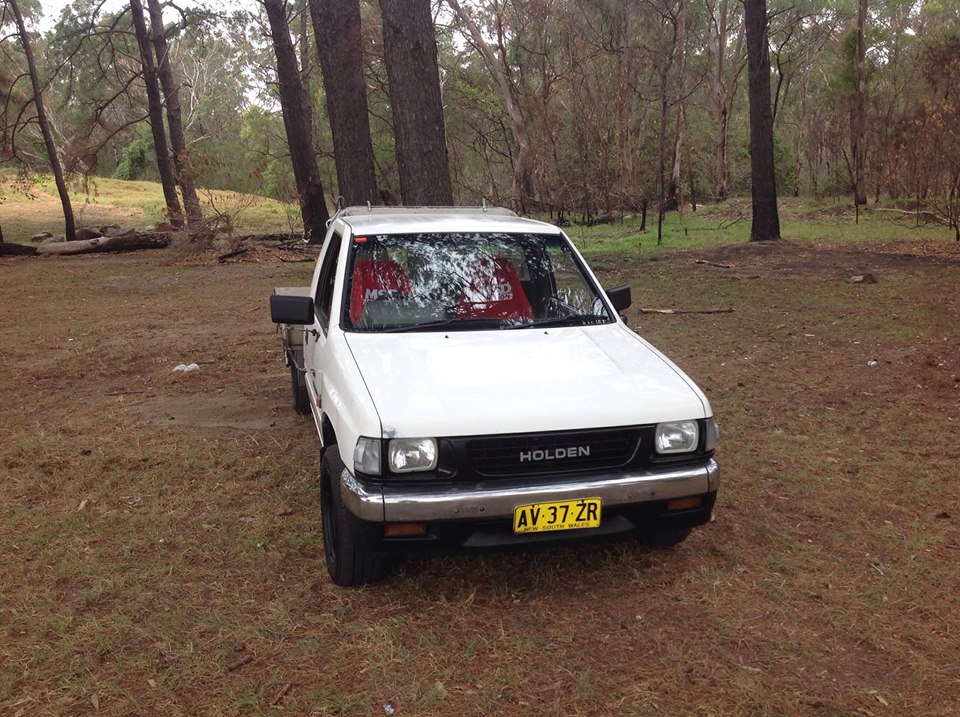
473,387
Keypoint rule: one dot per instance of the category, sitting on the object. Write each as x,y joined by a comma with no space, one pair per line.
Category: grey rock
115,232
87,233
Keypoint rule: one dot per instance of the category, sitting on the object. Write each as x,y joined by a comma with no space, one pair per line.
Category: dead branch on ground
713,263
722,310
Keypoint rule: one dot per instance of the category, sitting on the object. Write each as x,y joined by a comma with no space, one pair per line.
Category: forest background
574,110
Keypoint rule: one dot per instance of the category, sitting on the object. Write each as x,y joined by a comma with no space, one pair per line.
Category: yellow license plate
559,515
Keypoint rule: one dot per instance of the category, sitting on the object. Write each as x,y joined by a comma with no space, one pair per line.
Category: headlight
407,455
366,456
713,433
676,437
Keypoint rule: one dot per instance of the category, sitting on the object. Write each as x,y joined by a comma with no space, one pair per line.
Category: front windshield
464,281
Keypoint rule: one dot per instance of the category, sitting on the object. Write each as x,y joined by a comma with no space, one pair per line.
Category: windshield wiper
574,320
441,324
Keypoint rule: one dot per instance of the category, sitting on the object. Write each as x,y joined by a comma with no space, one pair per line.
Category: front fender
344,398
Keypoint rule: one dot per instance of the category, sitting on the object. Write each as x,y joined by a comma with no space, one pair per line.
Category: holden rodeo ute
474,387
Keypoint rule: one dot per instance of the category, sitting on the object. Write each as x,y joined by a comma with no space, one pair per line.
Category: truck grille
531,454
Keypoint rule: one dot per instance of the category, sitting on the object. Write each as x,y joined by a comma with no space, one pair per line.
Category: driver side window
328,278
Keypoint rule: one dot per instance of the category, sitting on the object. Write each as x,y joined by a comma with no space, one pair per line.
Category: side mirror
291,309
620,297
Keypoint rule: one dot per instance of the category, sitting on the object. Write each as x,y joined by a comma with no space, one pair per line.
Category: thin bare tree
69,226
497,62
858,116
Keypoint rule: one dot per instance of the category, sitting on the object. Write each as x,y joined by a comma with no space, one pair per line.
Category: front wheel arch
327,434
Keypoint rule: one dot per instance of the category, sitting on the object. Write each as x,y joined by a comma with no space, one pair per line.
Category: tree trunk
69,227
661,150
413,78
497,65
693,190
171,96
313,206
336,27
859,110
306,94
798,147
625,101
766,221
155,107
675,193
724,92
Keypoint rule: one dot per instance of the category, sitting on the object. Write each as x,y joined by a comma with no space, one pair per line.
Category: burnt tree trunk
313,206
410,51
69,227
336,27
766,220
155,107
171,96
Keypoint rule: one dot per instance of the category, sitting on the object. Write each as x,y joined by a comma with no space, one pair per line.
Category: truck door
315,336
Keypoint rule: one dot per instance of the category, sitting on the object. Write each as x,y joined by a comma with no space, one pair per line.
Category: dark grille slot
552,452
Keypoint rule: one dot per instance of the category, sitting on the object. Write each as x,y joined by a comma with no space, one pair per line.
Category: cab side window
328,277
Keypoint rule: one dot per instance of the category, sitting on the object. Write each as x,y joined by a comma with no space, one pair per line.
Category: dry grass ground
28,207
159,527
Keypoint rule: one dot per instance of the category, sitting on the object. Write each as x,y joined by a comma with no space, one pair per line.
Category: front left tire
348,542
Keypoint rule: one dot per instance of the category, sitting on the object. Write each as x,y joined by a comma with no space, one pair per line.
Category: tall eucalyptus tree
336,27
48,140
168,179
766,220
313,207
410,51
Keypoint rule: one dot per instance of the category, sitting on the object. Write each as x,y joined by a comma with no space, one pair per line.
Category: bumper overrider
623,494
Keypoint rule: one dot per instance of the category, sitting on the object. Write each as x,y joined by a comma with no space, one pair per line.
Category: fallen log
923,215
723,310
106,244
279,237
230,254
16,249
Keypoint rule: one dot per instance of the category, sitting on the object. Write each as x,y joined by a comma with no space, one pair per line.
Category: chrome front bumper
451,501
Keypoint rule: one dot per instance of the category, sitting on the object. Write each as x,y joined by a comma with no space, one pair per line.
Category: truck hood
523,380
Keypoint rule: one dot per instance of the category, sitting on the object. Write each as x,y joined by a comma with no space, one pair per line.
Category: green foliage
133,157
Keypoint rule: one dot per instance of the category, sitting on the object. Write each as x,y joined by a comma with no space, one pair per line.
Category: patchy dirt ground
162,549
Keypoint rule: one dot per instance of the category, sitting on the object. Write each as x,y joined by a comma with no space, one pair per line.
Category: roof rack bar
369,209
